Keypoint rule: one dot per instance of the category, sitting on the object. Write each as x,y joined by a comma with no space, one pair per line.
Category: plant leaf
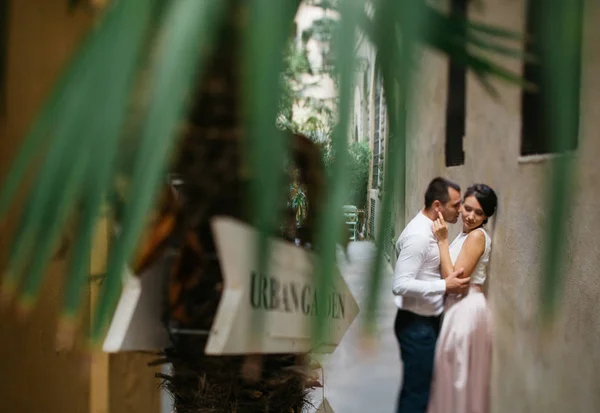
330,220
562,42
105,123
189,26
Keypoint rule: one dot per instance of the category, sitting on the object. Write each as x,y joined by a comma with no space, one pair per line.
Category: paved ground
357,381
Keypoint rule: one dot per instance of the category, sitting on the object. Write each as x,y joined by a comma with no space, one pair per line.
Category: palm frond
330,223
87,121
562,40
189,26
395,60
266,42
65,118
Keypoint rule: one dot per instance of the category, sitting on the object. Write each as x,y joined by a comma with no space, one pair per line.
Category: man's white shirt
417,284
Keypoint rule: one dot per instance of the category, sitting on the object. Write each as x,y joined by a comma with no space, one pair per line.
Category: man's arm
410,260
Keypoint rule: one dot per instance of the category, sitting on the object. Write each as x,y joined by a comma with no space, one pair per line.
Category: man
420,290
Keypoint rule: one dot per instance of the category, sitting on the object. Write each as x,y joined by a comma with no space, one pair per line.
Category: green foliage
296,64
358,169
298,201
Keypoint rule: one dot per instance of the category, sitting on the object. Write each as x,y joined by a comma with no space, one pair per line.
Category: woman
463,352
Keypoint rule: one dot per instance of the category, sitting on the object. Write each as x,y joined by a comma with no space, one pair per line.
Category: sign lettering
268,293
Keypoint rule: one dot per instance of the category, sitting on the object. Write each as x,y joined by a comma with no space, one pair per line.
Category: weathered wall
555,370
34,377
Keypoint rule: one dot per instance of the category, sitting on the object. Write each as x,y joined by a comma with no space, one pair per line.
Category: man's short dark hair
437,190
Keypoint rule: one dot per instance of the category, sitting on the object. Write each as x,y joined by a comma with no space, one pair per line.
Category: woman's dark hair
485,196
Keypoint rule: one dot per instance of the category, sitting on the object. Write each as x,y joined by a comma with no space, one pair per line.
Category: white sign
136,325
273,312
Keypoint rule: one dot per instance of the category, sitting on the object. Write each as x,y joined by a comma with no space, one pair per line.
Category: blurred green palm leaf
68,116
561,46
188,30
81,128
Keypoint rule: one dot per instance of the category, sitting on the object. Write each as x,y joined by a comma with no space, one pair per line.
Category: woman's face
471,213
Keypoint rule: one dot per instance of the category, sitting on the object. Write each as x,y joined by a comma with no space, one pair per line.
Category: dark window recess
456,99
4,32
536,128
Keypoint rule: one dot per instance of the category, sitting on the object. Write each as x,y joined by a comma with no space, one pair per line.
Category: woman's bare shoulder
476,238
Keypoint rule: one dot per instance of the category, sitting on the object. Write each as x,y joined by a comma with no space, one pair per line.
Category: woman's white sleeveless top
480,271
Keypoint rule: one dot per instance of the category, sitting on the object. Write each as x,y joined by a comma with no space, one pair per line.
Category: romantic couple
443,323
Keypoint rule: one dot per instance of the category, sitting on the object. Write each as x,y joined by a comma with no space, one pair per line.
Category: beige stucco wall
35,378
554,370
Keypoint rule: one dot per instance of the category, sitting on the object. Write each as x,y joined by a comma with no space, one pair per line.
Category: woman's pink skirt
463,357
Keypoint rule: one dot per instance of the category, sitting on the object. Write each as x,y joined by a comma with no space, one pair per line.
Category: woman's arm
469,254
446,266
